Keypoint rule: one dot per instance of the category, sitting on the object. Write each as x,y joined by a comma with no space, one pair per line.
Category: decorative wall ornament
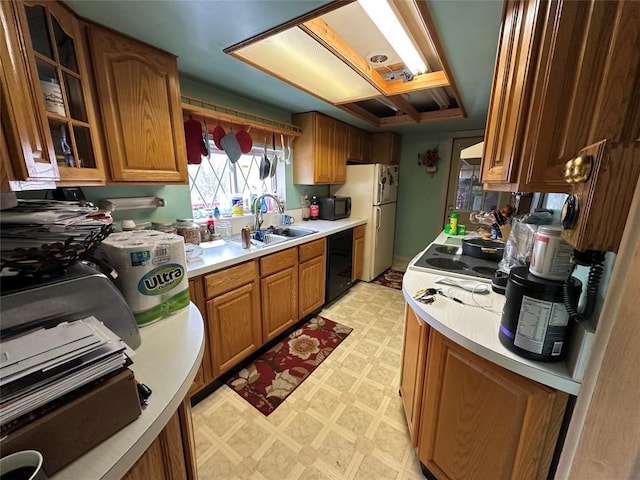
429,160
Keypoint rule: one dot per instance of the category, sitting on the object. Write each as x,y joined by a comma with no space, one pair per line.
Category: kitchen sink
291,232
272,236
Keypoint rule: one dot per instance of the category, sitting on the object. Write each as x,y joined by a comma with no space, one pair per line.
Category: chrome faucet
258,209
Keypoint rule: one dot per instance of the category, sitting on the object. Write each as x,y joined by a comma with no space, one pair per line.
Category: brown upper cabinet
72,121
359,145
385,148
139,97
321,151
567,76
49,120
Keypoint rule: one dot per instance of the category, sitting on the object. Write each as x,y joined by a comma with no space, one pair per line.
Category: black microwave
334,208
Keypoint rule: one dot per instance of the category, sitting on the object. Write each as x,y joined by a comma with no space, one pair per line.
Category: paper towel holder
128,203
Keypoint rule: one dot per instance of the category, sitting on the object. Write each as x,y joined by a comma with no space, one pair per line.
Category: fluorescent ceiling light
387,22
295,57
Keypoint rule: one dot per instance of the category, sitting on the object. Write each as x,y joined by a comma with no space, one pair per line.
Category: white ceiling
198,31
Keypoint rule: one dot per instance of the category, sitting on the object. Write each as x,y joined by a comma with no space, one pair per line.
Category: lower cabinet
479,420
414,357
233,315
312,273
279,288
170,456
247,305
358,252
204,375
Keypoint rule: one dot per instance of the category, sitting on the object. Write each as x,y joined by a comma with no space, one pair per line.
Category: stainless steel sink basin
264,238
292,232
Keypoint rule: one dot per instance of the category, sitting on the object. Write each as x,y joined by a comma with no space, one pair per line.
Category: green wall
421,196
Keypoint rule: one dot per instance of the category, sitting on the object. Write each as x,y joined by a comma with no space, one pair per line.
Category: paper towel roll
152,274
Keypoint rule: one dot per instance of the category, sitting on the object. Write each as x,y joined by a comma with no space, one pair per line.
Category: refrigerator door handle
378,217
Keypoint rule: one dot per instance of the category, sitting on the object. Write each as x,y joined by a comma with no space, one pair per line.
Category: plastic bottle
314,209
453,223
304,203
211,224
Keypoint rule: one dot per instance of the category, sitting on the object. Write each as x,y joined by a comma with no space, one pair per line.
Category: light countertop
231,253
167,361
476,327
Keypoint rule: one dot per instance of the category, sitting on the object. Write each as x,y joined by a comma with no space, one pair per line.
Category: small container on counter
223,228
164,227
245,235
188,229
551,257
205,233
237,204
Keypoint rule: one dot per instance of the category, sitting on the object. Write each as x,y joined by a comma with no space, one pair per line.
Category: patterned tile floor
345,422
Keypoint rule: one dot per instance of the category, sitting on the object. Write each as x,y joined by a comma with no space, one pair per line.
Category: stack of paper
33,223
45,364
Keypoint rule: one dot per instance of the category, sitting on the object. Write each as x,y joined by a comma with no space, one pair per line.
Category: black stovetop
450,259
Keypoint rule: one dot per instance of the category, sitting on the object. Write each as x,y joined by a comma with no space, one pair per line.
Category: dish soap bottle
314,209
453,222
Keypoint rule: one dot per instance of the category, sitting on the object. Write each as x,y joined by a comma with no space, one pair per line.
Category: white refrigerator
373,189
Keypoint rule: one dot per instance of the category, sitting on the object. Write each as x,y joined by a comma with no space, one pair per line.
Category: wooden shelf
203,110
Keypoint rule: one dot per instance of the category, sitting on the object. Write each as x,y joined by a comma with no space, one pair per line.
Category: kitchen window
216,179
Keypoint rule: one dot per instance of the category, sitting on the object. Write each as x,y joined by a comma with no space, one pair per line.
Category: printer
82,290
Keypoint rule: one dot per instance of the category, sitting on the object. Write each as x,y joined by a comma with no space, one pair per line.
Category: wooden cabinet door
279,302
312,285
234,326
414,357
324,152
385,148
480,420
23,125
509,102
566,77
139,98
354,150
57,106
165,457
205,374
366,147
358,252
341,146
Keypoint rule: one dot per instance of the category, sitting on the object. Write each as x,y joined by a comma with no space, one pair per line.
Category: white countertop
167,362
476,328
232,253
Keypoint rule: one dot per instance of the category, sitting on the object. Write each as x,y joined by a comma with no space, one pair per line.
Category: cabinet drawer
230,278
358,232
278,261
311,250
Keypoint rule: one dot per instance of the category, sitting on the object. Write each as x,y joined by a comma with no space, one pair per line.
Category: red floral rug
272,377
390,278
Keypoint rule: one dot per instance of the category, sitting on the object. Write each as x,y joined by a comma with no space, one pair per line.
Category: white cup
27,462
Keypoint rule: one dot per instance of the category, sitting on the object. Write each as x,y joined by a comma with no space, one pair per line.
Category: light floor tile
345,422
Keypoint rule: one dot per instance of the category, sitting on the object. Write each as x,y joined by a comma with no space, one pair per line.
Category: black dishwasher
339,263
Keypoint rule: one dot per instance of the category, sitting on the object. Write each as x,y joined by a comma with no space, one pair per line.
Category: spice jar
188,229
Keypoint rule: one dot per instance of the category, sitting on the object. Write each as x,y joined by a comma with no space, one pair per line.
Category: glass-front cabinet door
59,72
